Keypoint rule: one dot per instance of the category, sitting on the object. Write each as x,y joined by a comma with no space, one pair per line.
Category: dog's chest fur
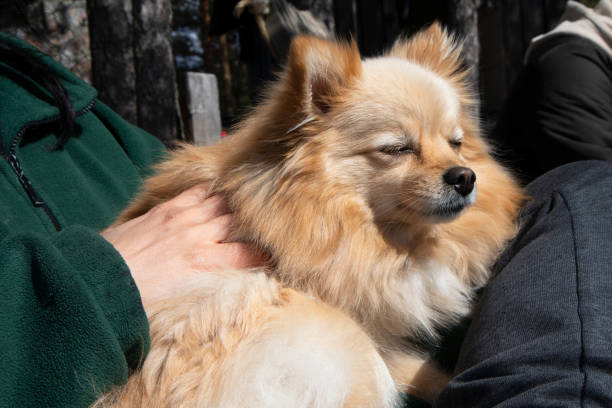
397,295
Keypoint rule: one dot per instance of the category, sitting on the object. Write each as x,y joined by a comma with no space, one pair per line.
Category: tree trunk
217,61
226,75
207,41
154,64
463,20
345,19
132,62
112,56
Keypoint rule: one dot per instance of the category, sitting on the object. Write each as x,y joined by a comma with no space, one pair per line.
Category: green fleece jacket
71,320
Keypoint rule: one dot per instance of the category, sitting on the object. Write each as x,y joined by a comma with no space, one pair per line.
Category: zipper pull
27,186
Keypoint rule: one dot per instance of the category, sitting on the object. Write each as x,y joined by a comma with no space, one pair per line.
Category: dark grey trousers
542,333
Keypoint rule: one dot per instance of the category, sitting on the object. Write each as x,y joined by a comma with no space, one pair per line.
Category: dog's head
393,141
369,166
399,129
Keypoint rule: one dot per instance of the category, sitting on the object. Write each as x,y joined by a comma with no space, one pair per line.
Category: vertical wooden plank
112,55
155,74
345,18
217,59
512,39
206,18
423,13
493,87
203,108
390,21
226,76
532,14
463,19
370,27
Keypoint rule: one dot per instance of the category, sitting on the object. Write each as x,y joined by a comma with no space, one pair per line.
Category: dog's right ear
318,71
434,48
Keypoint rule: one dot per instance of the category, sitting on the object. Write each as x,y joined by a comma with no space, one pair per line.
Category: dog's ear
433,48
319,70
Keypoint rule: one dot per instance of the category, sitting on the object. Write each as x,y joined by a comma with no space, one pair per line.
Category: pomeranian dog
368,183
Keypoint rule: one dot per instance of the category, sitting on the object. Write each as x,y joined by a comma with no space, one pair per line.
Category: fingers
191,209
213,231
206,211
213,207
189,197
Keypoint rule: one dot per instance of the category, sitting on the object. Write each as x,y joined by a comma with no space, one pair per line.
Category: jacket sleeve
559,108
575,98
71,318
143,148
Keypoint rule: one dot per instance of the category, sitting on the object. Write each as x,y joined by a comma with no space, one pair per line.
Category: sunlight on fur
369,184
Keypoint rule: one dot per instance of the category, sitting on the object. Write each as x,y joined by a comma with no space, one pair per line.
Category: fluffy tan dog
368,183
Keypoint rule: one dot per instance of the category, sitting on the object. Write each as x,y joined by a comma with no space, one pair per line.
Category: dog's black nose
461,178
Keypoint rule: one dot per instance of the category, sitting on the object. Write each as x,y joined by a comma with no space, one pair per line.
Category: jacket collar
24,103
594,24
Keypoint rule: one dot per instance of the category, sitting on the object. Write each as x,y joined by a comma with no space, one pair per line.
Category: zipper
13,161
25,183
36,200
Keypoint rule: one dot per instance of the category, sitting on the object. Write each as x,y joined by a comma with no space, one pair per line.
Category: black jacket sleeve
560,108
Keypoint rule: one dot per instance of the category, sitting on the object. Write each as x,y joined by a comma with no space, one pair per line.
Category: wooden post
154,65
132,63
202,100
112,55
463,19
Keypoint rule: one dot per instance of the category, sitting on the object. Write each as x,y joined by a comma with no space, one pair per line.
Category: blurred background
146,57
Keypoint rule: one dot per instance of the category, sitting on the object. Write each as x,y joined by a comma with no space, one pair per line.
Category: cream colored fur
363,266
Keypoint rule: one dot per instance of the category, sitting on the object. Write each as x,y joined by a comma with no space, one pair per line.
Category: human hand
177,240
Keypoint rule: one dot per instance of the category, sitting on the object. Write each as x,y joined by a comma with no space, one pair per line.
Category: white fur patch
429,288
388,139
302,366
297,355
472,196
385,69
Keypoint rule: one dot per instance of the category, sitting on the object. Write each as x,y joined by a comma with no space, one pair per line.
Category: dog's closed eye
456,143
395,150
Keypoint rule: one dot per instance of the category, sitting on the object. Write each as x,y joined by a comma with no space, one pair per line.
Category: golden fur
363,265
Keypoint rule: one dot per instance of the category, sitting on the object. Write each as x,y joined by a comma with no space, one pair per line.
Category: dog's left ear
433,48
318,71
